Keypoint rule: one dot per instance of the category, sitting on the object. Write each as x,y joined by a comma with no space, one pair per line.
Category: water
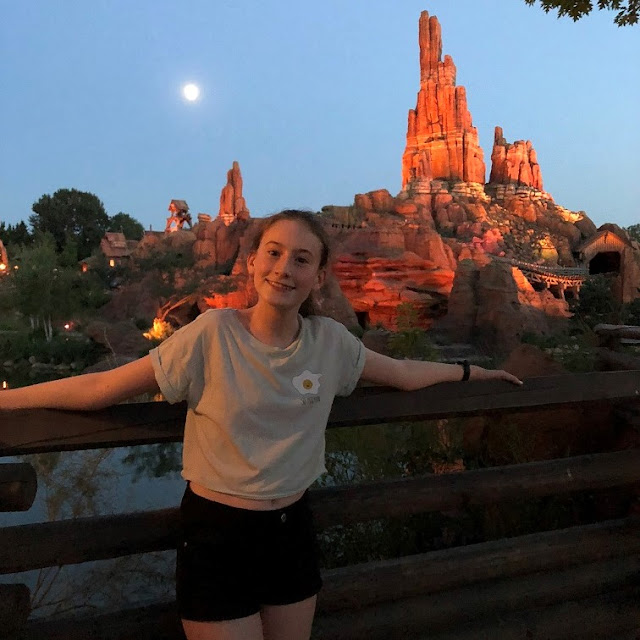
91,483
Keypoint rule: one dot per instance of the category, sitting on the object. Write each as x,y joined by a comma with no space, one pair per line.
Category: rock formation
442,143
515,163
232,204
218,241
443,244
4,258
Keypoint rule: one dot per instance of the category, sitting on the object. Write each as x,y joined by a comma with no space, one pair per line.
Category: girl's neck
270,326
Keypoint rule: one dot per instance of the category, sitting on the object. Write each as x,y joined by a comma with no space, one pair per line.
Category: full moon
191,92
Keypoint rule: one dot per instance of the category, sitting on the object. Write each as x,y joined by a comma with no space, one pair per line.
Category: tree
48,287
15,236
128,225
634,232
69,212
628,10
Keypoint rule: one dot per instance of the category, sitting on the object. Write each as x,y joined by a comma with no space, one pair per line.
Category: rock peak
514,163
442,143
232,203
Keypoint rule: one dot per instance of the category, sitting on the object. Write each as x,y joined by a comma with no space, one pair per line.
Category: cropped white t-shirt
257,414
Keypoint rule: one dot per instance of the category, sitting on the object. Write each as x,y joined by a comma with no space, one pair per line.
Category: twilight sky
311,99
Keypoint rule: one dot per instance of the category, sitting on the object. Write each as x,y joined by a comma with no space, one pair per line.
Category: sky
310,98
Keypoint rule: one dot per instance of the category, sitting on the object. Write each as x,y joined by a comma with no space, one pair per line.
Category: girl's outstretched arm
85,392
415,374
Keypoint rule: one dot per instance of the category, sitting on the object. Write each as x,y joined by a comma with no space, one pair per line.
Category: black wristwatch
466,369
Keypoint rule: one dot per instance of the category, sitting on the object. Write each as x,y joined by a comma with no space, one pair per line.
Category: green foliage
628,10
630,313
167,261
48,287
14,236
634,232
128,225
575,351
61,349
596,303
69,212
410,341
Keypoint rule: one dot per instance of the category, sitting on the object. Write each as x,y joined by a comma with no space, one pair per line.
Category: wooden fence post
15,607
18,486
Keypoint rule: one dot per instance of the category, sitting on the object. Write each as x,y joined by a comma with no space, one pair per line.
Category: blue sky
310,98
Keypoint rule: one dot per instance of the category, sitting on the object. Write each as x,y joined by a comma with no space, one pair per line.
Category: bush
596,303
61,349
410,341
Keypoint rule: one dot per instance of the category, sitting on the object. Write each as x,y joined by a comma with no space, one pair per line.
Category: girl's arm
89,391
415,374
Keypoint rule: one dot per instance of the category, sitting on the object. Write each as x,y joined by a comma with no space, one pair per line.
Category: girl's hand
479,373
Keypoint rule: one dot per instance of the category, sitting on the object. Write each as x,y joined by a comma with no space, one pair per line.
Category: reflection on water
91,483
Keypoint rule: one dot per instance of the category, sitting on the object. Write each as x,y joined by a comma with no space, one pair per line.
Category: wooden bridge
577,582
558,279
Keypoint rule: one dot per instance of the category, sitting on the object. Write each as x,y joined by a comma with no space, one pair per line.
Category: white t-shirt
256,414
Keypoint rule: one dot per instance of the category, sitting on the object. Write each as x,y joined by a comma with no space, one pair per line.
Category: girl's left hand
479,373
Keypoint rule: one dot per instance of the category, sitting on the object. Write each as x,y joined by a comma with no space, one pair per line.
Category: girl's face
286,265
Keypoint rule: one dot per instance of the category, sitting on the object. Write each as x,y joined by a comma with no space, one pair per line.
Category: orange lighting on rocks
160,330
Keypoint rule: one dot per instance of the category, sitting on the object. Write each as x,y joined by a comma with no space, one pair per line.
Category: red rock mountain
443,244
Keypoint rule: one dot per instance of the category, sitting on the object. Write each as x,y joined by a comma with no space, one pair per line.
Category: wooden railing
583,581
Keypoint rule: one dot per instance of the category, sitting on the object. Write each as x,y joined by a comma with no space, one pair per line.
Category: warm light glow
67,326
5,384
16,267
160,330
112,263
3,266
191,92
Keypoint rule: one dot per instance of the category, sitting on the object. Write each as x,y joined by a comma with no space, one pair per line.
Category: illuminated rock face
218,240
232,204
4,259
442,143
515,163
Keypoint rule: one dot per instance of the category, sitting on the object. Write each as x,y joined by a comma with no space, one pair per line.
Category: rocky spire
515,163
442,143
232,204
4,259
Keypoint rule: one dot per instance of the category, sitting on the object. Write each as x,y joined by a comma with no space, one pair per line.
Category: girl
259,384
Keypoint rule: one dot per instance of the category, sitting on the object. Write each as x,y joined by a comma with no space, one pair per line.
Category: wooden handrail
98,538
352,586
500,575
37,431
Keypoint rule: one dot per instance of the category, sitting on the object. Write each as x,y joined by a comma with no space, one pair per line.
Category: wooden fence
582,581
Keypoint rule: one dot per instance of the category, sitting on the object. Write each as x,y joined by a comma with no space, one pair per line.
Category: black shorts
232,561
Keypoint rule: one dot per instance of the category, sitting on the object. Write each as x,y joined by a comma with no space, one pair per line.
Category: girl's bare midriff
244,503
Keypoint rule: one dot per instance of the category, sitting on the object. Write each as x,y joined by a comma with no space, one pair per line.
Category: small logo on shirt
307,382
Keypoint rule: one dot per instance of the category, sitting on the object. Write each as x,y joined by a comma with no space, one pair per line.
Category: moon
191,92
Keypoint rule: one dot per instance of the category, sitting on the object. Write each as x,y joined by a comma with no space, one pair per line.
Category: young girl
259,384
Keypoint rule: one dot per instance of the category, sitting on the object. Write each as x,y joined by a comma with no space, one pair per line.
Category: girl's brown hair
307,308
